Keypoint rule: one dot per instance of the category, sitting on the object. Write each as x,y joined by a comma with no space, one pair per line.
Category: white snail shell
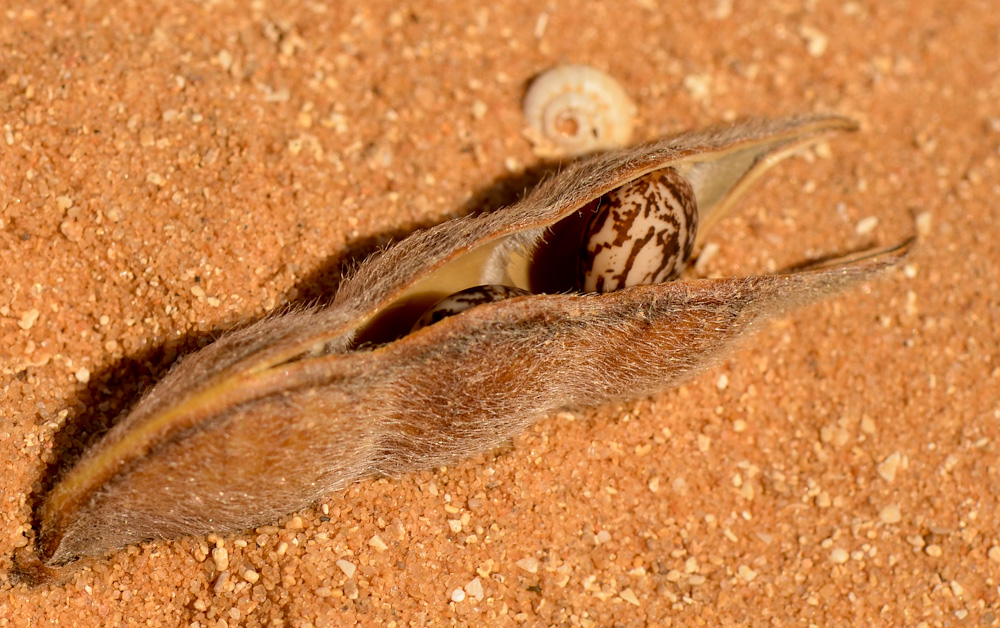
640,234
576,109
465,300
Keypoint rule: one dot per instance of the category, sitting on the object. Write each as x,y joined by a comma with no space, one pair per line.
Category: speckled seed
576,109
465,300
640,234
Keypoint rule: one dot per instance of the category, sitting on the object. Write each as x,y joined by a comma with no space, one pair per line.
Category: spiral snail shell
260,423
576,109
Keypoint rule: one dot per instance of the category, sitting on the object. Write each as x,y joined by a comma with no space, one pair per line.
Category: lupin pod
270,418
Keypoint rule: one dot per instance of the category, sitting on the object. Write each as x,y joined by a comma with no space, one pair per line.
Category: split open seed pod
270,418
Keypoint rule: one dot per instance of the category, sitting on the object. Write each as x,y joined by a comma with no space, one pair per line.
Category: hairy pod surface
272,417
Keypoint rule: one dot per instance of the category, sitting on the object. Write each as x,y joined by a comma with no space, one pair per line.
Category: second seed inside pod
464,300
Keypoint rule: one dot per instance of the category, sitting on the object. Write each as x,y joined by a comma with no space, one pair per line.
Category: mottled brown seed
640,234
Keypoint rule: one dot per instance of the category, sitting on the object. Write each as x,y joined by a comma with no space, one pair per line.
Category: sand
171,170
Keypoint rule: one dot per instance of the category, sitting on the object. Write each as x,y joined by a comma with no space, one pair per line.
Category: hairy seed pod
270,418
